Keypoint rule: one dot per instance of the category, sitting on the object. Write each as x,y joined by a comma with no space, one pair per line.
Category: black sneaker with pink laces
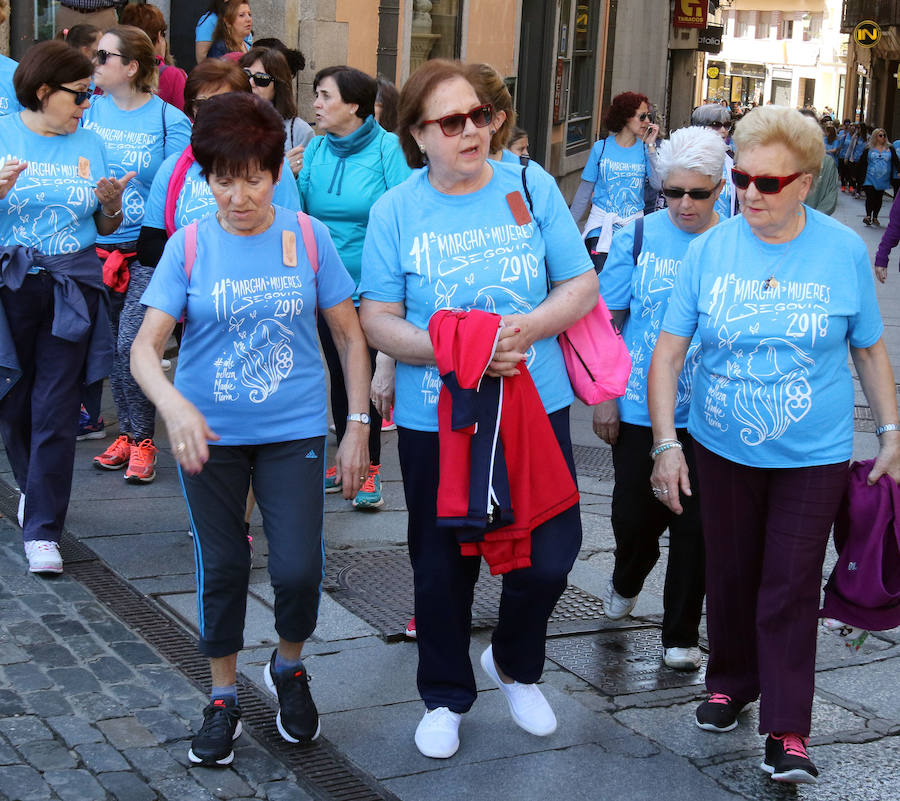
719,713
786,759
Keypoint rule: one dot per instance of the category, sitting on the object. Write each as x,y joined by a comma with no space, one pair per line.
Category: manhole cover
378,587
620,662
594,461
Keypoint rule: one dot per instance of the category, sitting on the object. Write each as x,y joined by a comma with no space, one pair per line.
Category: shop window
44,19
436,31
575,100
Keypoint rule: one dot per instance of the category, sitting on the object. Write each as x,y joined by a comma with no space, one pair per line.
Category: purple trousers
766,533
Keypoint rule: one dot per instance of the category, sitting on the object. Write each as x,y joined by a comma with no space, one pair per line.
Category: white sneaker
437,735
616,606
43,556
527,705
683,658
20,514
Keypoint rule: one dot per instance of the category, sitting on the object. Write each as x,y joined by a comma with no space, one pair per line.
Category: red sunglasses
454,124
766,184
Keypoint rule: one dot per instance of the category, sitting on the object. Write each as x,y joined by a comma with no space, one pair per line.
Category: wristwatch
359,418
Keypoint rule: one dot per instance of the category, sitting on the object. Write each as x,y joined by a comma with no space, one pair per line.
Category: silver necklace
771,283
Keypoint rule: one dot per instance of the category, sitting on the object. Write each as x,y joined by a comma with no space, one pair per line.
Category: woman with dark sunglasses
460,235
877,164
270,78
617,172
55,199
777,296
636,283
718,119
344,172
140,131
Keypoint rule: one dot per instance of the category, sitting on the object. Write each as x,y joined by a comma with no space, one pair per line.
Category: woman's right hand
669,477
382,390
606,421
188,434
881,272
9,174
295,159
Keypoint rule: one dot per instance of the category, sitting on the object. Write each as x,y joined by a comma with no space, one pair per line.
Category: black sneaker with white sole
719,713
298,718
212,745
786,759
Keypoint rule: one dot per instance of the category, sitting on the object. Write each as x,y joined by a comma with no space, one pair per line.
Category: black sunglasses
261,79
454,124
717,125
103,56
80,96
766,184
644,116
677,193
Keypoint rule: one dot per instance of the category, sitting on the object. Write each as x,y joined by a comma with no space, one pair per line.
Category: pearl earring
422,149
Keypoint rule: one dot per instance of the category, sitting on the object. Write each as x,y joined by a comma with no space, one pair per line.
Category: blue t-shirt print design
51,206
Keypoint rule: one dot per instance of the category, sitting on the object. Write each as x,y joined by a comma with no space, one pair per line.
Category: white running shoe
437,735
527,705
683,658
43,556
617,606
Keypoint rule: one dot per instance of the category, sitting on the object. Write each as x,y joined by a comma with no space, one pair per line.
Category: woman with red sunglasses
777,295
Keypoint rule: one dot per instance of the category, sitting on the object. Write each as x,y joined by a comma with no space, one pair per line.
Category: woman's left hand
109,193
512,346
881,272
353,458
888,460
295,159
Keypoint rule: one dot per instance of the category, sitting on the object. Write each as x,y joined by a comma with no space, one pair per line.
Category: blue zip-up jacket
342,177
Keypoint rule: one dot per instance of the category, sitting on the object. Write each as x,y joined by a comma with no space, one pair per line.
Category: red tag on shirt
518,208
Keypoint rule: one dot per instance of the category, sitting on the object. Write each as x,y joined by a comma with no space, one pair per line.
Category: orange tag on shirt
289,248
517,207
84,168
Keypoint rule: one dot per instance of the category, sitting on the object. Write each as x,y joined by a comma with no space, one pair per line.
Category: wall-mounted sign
690,13
709,39
867,33
712,72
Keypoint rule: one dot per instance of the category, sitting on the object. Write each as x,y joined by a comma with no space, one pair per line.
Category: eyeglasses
80,96
677,193
643,116
720,125
261,79
767,184
454,124
103,56
882,135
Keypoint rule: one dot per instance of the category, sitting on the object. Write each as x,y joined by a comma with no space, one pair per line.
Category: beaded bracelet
664,446
886,427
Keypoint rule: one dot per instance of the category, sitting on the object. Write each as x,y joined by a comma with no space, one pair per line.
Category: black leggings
874,198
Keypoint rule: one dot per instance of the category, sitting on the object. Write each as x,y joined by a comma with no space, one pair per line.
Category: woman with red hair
617,170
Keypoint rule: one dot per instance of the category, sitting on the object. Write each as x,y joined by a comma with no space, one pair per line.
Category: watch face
360,418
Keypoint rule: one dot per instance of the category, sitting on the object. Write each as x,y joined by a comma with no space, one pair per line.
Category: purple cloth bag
864,588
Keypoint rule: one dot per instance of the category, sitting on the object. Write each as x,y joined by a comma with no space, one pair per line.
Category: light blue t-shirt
196,200
644,289
206,27
618,177
52,204
510,157
9,103
773,388
250,351
844,139
135,141
433,251
725,203
878,169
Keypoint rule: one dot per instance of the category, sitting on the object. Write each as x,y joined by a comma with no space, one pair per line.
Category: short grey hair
709,113
695,149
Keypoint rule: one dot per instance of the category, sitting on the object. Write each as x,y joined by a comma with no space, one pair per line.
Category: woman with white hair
771,418
718,119
636,283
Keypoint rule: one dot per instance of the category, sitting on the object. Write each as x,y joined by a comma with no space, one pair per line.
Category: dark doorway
184,16
535,75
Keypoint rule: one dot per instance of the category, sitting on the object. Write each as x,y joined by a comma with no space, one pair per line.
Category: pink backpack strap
190,248
309,240
176,183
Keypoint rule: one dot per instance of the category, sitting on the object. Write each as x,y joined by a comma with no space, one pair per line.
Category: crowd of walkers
408,238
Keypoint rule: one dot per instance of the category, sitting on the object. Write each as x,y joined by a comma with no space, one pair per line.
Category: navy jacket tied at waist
71,318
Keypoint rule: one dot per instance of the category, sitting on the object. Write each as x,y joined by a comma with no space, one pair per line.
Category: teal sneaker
369,495
332,481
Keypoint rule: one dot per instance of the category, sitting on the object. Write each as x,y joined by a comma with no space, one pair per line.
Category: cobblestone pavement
90,710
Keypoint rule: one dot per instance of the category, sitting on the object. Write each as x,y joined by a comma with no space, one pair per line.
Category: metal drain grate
620,662
319,767
863,419
594,461
378,587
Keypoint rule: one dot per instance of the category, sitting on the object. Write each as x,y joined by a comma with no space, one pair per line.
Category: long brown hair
225,26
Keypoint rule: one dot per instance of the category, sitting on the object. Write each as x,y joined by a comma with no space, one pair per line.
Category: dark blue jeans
39,415
445,581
